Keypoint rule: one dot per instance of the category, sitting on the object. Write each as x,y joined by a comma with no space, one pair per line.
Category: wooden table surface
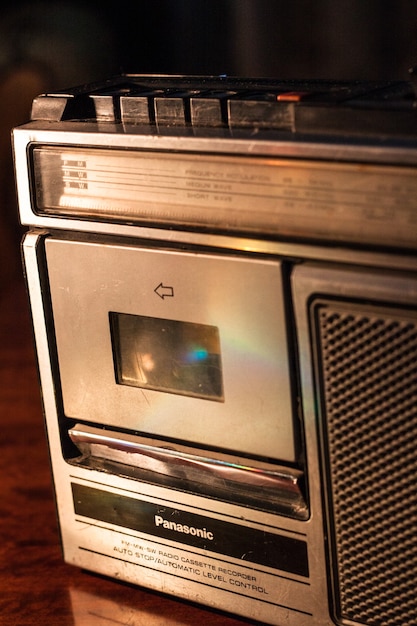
36,586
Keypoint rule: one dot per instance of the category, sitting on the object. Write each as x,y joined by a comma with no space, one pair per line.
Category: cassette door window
191,347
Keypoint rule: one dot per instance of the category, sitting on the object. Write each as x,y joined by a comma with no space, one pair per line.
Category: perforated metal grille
369,386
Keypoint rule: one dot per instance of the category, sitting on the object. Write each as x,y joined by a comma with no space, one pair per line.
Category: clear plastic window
167,355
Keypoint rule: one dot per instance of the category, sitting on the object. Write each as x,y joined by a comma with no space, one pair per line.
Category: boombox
223,283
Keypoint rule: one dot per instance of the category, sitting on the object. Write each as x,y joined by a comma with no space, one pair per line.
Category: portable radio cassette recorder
223,282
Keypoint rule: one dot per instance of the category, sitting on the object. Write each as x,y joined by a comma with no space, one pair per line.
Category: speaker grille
368,371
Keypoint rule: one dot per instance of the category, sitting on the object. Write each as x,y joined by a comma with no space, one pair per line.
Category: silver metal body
255,288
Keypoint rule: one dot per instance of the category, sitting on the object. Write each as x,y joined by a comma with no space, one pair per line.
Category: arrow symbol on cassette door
164,291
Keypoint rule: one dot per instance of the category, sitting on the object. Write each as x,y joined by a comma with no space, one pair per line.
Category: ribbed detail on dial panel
368,380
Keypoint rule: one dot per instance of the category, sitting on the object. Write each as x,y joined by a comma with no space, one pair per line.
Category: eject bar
265,486
296,106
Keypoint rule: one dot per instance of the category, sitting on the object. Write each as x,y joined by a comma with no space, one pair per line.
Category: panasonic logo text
183,528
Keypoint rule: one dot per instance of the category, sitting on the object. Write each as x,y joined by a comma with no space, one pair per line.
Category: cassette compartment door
195,307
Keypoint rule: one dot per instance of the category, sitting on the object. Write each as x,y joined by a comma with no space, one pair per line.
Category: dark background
279,38
54,44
